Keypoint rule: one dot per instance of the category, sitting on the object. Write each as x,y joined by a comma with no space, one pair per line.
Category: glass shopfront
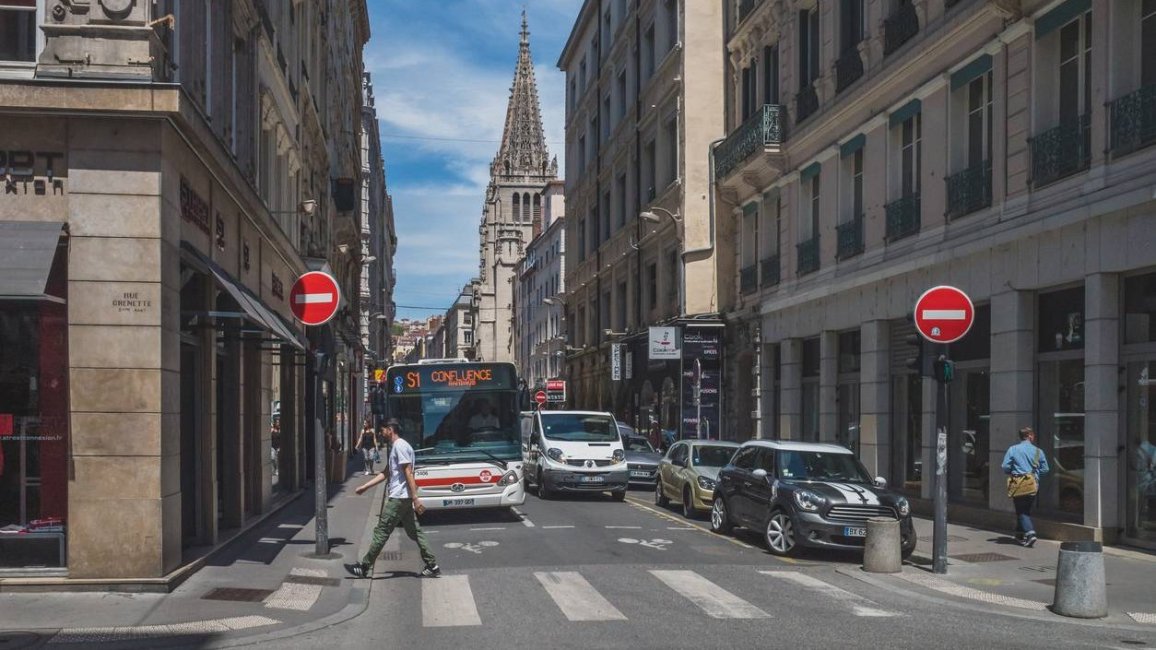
969,413
1061,400
34,440
1140,420
810,397
847,391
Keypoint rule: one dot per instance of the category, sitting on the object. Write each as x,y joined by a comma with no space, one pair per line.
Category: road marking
313,298
296,596
860,606
1141,617
680,528
555,527
577,599
960,591
525,520
476,549
270,540
944,314
701,529
624,527
658,544
495,528
448,602
712,599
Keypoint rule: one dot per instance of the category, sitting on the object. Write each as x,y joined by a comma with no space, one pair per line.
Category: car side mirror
760,474
880,482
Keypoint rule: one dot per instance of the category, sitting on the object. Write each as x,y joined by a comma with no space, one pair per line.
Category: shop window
847,391
1061,427
1140,309
18,31
977,344
810,397
1061,320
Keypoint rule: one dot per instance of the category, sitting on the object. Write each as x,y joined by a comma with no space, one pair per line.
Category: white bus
462,419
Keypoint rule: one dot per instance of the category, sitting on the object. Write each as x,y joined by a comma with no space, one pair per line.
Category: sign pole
320,454
939,535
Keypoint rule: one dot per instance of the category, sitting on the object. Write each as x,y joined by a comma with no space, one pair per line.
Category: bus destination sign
413,379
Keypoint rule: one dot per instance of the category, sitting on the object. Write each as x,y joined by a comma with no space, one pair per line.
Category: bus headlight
618,456
510,478
556,455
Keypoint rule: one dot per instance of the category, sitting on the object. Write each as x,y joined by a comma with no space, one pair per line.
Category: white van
573,451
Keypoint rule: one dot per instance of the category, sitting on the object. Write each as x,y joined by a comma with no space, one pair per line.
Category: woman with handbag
1024,464
367,443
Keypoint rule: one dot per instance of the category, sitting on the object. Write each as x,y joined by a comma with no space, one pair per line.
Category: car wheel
780,534
720,520
619,496
660,499
687,504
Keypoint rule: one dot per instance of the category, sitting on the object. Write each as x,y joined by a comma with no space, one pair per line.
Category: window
652,285
1075,89
750,235
581,239
595,143
621,94
909,156
606,215
769,226
620,184
811,221
746,102
771,74
573,94
855,163
979,120
851,25
606,118
582,76
673,275
671,10
581,152
810,397
649,174
1148,43
468,337
620,320
648,52
596,235
671,129
604,313
18,31
808,47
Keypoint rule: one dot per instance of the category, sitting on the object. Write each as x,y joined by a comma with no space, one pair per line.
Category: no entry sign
314,298
540,397
943,314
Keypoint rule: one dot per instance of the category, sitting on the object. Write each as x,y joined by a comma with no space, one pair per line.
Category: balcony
763,129
850,238
848,69
769,271
1061,151
902,218
806,103
1133,121
899,27
808,256
969,190
749,279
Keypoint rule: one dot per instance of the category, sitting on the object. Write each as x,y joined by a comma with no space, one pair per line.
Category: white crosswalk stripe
712,599
577,599
448,602
860,606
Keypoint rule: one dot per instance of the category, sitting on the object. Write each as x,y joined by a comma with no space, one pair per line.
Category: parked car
688,473
804,495
641,460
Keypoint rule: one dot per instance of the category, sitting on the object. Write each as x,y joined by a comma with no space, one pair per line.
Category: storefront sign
615,362
555,390
31,172
663,343
131,301
628,364
194,209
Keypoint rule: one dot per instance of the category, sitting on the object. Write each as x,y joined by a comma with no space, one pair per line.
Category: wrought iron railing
899,27
749,279
848,69
762,129
968,190
850,238
903,217
808,256
806,102
769,271
1061,151
1133,121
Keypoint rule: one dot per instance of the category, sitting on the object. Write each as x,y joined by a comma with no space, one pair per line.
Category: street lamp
649,215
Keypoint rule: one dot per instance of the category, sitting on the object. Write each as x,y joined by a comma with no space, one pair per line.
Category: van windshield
579,427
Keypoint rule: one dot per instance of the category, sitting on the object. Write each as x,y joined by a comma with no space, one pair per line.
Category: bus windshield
459,426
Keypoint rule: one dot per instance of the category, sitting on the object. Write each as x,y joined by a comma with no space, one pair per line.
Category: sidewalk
261,584
989,568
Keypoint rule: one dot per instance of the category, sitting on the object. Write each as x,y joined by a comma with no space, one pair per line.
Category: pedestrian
401,507
367,443
1024,463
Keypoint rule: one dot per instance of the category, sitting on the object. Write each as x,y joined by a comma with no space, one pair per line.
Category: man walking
401,507
1024,463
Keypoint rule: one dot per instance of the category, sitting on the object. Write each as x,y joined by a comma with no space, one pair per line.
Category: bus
462,419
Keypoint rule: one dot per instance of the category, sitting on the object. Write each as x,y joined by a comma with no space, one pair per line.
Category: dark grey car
641,460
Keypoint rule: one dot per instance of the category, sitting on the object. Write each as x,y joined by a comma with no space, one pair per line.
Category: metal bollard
882,552
1081,588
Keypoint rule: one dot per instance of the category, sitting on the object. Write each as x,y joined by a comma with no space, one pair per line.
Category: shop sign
555,390
628,364
194,209
20,168
616,362
131,301
701,383
663,343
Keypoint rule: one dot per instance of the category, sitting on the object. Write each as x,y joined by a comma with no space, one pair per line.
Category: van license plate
592,479
640,474
457,502
854,532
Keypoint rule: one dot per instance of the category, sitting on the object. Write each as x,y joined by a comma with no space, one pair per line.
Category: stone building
878,149
518,175
643,106
539,306
168,170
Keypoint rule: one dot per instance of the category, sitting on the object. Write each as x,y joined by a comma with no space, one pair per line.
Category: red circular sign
540,397
943,314
314,298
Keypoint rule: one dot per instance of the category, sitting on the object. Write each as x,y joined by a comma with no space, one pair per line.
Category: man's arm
407,469
380,478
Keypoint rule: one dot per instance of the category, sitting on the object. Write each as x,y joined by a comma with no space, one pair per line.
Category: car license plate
457,502
641,474
592,479
854,532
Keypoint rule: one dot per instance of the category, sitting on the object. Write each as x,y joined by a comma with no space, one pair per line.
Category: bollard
1081,590
882,552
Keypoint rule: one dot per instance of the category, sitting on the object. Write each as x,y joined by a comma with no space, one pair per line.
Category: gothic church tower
513,210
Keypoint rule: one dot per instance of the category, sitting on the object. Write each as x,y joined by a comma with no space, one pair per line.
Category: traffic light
922,361
944,370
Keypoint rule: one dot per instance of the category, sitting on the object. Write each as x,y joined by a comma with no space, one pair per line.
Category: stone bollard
882,552
1081,590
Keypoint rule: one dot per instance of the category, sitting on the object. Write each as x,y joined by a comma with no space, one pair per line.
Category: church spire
523,151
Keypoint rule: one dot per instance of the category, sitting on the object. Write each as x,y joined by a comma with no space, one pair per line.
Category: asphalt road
588,572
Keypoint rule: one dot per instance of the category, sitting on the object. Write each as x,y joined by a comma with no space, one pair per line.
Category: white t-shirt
401,453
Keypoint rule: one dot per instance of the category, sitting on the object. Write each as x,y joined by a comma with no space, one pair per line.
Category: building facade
167,175
518,175
539,308
879,149
643,106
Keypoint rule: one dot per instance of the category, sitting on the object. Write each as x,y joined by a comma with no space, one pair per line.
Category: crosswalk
450,601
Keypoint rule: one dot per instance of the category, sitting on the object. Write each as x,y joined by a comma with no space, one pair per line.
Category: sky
442,72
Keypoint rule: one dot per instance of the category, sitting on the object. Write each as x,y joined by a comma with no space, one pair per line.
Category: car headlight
510,478
902,506
706,483
556,455
618,456
808,500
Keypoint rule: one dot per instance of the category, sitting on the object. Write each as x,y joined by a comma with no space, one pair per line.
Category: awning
27,249
255,310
